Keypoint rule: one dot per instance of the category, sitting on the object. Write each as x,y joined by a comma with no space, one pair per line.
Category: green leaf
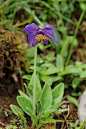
56,78
51,71
57,36
16,110
38,87
71,71
27,77
78,63
55,45
65,46
74,124
59,62
83,74
30,52
57,93
76,94
50,56
37,82
38,92
76,81
50,120
39,60
25,104
61,110
38,69
73,100
83,5
42,47
29,91
66,43
51,109
23,94
48,65
39,109
27,8
46,97
47,79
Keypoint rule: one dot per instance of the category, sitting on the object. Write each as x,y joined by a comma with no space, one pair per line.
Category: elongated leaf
16,110
56,78
37,82
61,110
47,79
76,81
46,97
38,93
23,94
25,104
75,70
54,45
39,109
29,91
50,56
83,74
48,65
38,88
30,52
66,43
27,8
51,109
51,71
58,37
50,120
73,100
59,62
78,63
27,77
57,93
38,69
65,46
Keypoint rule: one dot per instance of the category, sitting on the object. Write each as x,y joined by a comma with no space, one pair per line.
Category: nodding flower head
37,35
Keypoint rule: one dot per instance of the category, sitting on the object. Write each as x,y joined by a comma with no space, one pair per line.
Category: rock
82,108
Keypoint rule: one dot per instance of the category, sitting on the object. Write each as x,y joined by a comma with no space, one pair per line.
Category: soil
6,114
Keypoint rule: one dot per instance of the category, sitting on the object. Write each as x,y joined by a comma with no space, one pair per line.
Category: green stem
71,48
34,87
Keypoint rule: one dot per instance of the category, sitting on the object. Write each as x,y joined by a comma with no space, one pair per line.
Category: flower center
41,37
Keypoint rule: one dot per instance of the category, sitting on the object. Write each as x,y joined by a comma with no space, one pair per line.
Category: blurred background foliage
55,12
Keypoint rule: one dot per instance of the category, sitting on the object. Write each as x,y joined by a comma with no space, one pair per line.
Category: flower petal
31,28
46,42
48,31
32,40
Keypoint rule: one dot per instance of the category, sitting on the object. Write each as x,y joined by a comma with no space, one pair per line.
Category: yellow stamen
40,37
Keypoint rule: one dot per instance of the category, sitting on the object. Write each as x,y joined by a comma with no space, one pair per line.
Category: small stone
82,108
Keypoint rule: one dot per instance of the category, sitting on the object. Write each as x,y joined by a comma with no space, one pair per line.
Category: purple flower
37,35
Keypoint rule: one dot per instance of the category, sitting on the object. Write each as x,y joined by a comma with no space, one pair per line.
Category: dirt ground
6,114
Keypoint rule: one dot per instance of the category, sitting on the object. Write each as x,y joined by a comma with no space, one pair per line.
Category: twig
23,89
2,124
65,119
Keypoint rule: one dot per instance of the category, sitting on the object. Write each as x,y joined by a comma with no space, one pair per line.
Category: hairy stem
34,87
